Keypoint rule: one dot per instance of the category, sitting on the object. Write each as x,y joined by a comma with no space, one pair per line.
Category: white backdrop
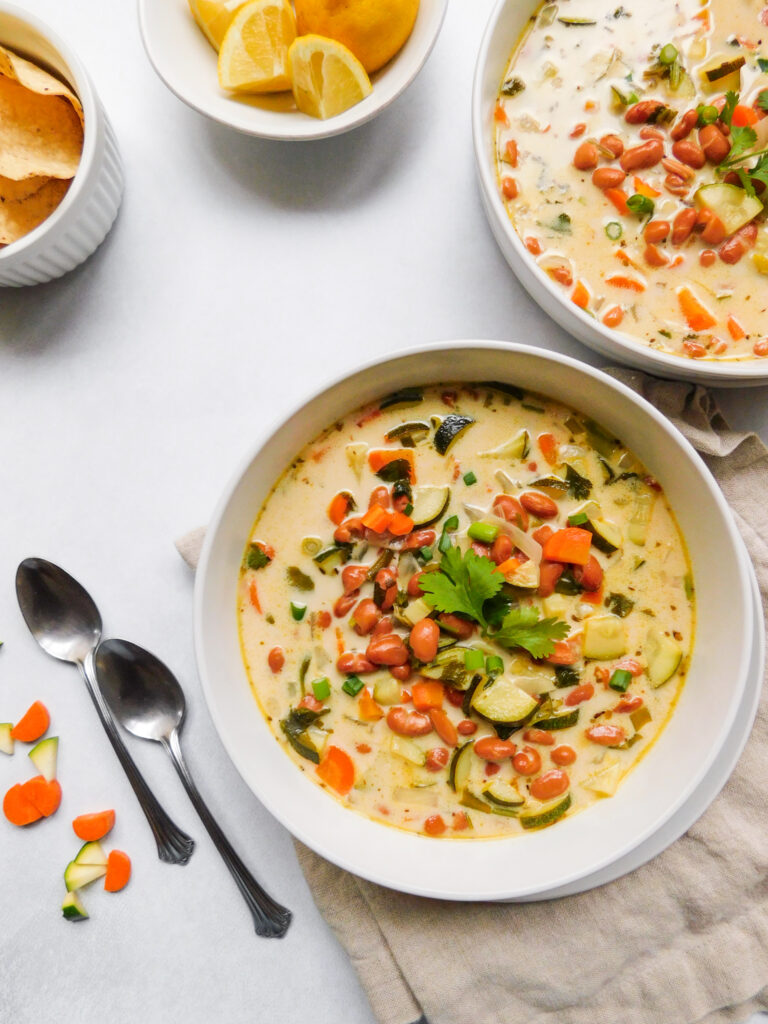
239,273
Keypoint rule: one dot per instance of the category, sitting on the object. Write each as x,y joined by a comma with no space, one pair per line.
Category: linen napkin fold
683,939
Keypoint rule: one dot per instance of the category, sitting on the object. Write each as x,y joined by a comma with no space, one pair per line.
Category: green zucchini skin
548,817
557,722
449,430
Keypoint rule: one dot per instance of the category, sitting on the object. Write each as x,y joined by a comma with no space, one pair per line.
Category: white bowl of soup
613,145
573,703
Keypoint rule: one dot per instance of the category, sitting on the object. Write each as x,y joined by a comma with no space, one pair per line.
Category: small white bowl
81,221
504,30
186,62
517,866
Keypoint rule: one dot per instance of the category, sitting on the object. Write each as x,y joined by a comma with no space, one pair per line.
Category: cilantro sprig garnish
523,627
742,139
464,583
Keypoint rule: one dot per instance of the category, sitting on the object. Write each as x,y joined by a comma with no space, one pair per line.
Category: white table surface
238,275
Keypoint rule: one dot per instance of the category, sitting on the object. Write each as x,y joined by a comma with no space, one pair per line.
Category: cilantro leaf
760,170
256,557
742,139
462,584
746,181
522,627
496,608
762,99
731,102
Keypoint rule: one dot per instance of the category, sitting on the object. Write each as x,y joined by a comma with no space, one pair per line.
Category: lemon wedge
327,77
214,17
254,52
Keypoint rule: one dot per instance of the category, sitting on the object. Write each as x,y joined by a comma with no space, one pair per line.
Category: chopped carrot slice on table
92,827
118,871
33,723
44,795
17,809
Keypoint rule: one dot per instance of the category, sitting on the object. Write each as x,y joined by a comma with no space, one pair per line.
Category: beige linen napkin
683,939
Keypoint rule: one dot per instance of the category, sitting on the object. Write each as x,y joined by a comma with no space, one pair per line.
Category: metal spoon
63,618
147,700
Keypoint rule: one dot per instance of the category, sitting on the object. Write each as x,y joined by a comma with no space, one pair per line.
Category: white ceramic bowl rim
480,885
388,83
81,86
634,352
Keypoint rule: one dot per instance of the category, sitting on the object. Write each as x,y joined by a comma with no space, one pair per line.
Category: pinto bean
344,604
676,185
707,257
437,758
606,735
607,177
656,231
646,155
527,761
677,169
387,650
466,727
541,736
715,145
461,628
539,505
408,723
654,257
642,112
401,672
590,576
563,755
419,539
684,125
711,227
586,156
413,588
732,250
353,662
613,144
350,528
276,659
579,695
501,549
682,225
443,726
509,508
490,748
353,577
380,496
434,825
689,152
649,132
365,616
424,639
383,626
550,785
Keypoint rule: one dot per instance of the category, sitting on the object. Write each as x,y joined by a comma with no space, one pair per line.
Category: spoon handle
173,845
270,918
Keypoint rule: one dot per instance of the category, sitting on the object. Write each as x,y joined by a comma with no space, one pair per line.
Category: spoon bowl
142,692
60,613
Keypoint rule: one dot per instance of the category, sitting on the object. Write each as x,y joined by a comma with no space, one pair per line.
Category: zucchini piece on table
6,740
72,908
77,876
450,430
91,854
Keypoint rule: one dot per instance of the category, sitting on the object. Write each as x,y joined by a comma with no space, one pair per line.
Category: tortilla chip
40,135
18,218
35,79
13,191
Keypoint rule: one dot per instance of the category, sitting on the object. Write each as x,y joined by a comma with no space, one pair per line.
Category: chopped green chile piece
426,553
470,478
494,664
444,544
614,230
566,676
486,533
620,680
352,685
668,54
474,660
299,579
578,519
321,688
298,611
256,557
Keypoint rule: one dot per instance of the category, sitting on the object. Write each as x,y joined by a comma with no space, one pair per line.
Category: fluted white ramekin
80,223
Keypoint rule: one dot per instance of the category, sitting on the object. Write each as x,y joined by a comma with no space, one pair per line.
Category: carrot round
569,545
33,723
118,871
17,809
44,795
337,510
580,295
381,457
548,447
337,770
367,707
92,827
696,314
427,694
